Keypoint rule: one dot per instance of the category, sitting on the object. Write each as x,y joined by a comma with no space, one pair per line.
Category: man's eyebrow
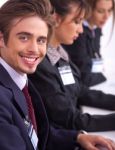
24,33
42,37
30,34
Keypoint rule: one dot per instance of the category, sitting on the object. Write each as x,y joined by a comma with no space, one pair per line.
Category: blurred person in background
58,79
85,51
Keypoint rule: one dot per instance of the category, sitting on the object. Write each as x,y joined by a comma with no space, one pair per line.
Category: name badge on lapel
32,134
97,65
66,75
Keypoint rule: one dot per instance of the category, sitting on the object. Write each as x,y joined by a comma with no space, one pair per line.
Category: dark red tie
30,107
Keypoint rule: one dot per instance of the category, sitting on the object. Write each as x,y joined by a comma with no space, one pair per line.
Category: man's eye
42,41
23,38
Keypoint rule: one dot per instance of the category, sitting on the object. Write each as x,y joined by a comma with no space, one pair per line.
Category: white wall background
2,2
108,49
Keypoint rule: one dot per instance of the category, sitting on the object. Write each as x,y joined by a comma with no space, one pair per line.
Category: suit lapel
19,98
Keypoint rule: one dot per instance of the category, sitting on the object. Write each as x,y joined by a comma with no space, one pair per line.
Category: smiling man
26,45
25,27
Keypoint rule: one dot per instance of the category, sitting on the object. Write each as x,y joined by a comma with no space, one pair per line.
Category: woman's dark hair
14,9
63,7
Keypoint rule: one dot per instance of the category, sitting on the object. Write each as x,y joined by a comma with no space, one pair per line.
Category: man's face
26,46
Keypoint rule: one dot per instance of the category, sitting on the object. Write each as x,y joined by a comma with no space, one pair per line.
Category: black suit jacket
82,51
63,101
13,109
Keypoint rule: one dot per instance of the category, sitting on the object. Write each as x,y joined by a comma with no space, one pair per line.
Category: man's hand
94,142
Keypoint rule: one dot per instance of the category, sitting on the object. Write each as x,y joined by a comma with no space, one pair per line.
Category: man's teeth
30,59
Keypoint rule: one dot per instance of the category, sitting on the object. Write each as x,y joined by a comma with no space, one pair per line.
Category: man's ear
2,44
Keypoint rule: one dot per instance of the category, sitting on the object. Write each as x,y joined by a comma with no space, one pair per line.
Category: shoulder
45,66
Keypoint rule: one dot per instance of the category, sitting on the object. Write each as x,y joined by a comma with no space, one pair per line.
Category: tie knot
25,87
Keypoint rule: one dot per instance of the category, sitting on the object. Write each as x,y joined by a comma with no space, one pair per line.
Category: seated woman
58,79
85,51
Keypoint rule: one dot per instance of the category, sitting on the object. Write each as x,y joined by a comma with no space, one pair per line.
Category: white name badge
66,75
32,134
98,65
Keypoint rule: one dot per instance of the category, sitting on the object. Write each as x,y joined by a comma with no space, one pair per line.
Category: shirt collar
55,54
86,23
19,79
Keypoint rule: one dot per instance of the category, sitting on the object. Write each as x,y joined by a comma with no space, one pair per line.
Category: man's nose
33,46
